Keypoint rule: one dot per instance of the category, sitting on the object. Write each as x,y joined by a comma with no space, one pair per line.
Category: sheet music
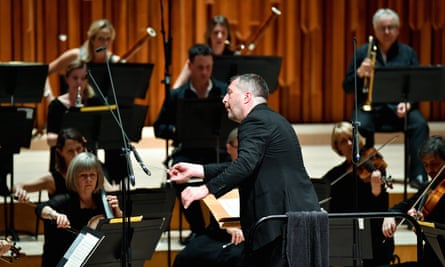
231,205
80,250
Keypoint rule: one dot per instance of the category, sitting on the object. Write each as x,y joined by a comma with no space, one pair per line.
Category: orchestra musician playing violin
371,191
427,204
83,202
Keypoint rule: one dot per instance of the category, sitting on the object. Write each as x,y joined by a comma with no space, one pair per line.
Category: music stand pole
167,82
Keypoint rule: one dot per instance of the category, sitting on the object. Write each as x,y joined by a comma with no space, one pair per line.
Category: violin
434,197
14,254
372,160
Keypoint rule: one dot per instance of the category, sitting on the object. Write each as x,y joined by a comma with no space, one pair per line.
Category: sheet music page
80,250
231,205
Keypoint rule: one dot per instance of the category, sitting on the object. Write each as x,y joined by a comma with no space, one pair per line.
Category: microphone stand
127,148
355,162
167,40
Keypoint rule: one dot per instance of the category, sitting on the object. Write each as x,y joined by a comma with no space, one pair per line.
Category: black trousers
270,255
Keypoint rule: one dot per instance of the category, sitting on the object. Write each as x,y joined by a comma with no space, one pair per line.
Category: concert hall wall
313,37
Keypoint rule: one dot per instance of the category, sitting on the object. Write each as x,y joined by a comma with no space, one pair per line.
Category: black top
437,215
57,241
165,124
398,55
342,200
269,172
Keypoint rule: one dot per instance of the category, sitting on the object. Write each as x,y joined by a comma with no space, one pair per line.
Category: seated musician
79,94
430,203
84,181
371,192
70,142
201,85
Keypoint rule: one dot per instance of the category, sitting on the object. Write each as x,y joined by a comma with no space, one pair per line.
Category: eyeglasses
387,27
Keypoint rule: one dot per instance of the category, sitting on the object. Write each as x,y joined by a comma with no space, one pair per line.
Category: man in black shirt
388,116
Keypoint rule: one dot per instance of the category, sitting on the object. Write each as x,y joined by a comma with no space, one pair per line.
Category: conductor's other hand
182,172
192,193
389,227
237,235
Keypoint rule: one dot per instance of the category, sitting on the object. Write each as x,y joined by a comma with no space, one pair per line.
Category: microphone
139,160
101,48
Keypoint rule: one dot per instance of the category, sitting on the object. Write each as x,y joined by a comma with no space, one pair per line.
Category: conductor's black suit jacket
269,172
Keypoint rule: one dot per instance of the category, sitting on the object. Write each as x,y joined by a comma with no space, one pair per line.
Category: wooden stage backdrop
314,38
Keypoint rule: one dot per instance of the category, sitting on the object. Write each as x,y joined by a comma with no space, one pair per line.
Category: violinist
371,191
84,181
427,204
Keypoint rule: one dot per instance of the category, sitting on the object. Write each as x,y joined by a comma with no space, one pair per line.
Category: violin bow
424,192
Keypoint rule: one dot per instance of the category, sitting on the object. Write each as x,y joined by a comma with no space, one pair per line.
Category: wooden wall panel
314,39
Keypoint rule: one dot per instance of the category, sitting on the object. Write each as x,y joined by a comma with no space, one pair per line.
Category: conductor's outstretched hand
182,172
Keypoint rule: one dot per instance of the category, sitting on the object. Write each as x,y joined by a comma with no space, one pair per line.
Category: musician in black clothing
431,204
201,85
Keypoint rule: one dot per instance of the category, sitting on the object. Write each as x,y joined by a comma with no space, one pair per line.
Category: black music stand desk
131,80
435,236
19,83
22,82
100,128
143,238
202,123
408,84
268,67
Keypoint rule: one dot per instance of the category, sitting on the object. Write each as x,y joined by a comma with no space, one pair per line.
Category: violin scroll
14,254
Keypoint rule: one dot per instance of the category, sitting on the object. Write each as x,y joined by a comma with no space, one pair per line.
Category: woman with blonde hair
100,34
370,191
84,201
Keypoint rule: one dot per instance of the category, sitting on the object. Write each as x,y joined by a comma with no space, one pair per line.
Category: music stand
202,123
323,190
152,203
19,83
268,67
22,82
408,84
101,130
341,241
435,236
143,237
133,119
412,84
131,80
82,248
